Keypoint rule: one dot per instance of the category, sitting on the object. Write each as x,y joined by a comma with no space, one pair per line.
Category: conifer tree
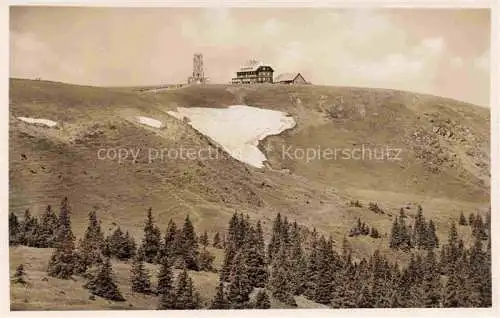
63,261
103,285
279,282
262,300
217,243
204,239
120,245
48,227
479,228
206,260
452,248
89,249
259,235
404,232
64,232
220,301
420,229
130,250
19,275
453,293
171,243
479,280
139,278
395,240
185,295
431,236
165,283
229,254
298,262
28,229
462,220
276,238
472,218
166,288
325,274
240,286
431,282
254,255
189,245
312,270
13,229
152,238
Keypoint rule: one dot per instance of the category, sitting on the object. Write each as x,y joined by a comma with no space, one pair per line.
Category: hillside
444,162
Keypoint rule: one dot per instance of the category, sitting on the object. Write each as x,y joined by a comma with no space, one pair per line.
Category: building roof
286,77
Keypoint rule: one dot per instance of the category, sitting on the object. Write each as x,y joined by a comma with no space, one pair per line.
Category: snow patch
38,121
149,121
238,128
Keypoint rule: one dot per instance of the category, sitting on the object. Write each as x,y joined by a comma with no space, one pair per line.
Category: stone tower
198,76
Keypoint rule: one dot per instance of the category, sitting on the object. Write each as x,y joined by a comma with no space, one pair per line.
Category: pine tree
365,299
254,259
217,243
374,233
166,286
139,278
472,218
28,229
395,235
479,280
152,238
170,248
62,263
431,282
420,229
453,295
259,236
130,247
185,295
462,221
312,269
431,237
276,237
48,227
120,245
64,232
452,249
19,275
89,249
404,232
325,275
298,262
239,283
206,261
262,300
103,285
220,301
229,254
189,245
479,228
280,280
204,239
13,229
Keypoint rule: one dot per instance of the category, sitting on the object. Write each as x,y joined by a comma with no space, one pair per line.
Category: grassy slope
445,174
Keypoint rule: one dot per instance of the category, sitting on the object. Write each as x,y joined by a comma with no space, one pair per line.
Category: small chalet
290,78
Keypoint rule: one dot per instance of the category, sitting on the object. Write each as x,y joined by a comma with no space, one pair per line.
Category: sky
443,52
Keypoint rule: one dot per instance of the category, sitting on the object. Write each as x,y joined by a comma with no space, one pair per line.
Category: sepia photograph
223,158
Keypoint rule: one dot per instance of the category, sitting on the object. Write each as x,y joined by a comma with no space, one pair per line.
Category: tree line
294,261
